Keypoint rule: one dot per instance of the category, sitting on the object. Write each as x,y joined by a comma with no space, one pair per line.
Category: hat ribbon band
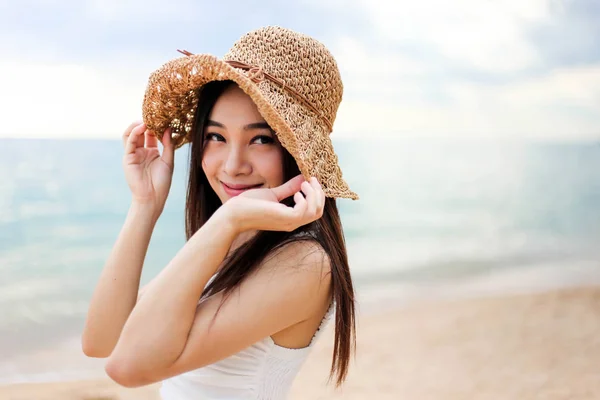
257,74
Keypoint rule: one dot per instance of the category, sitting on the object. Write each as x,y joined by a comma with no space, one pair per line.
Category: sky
430,68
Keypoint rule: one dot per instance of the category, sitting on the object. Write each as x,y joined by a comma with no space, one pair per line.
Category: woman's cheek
273,163
209,162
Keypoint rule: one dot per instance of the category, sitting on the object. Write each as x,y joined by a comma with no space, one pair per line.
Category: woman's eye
263,139
214,137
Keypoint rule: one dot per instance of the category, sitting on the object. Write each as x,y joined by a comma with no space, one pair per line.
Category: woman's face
240,149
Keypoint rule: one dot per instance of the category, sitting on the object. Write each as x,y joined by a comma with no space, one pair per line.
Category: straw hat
293,80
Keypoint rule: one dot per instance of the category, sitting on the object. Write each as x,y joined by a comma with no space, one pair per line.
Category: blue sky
432,68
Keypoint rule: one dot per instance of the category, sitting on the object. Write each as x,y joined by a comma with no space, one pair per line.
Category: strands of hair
325,233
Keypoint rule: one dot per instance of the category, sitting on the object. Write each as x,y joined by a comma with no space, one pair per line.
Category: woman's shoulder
303,249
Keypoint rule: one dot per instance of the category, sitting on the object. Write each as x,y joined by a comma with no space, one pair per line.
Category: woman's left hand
260,209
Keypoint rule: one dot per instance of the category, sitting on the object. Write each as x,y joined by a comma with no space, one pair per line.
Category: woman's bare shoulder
303,253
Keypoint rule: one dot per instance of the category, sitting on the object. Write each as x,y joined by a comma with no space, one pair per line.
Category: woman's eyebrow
255,125
210,122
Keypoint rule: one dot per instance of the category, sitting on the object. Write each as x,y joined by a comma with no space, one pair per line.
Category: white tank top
262,371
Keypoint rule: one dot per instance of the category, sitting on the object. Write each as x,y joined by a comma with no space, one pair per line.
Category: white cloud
410,71
61,100
354,57
67,100
140,11
571,87
562,104
372,74
479,34
409,94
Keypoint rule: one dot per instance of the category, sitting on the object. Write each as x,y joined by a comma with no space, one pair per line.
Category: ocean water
430,211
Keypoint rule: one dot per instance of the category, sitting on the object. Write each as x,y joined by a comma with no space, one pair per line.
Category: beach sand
520,346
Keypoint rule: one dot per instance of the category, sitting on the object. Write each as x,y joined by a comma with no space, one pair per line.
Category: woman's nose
237,163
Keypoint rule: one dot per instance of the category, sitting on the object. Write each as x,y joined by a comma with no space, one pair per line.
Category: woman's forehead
235,109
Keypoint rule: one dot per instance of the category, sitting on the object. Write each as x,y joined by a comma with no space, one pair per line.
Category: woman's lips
234,190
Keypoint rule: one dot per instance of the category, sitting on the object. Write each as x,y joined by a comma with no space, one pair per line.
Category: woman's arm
168,332
289,287
117,290
159,325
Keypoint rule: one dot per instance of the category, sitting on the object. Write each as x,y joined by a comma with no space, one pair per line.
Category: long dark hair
202,202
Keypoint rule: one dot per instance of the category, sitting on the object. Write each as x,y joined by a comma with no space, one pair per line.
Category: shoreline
372,300
395,304
525,345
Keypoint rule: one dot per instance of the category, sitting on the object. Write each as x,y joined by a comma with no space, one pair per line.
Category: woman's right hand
148,174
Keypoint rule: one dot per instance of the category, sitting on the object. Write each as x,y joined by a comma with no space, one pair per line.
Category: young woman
237,310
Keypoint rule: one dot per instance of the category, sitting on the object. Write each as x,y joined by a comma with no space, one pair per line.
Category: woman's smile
235,189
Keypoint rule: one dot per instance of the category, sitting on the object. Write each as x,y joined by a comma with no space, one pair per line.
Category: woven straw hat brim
171,99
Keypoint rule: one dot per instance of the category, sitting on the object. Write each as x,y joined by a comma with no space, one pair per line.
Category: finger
127,132
311,198
135,137
151,139
301,204
319,194
168,154
288,188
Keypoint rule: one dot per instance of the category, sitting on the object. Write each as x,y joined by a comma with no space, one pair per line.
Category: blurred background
469,129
